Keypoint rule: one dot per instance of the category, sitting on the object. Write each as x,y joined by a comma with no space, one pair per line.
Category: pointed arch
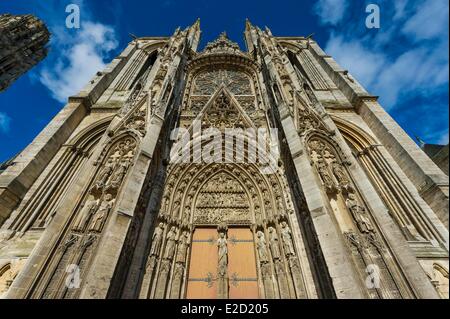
409,215
36,211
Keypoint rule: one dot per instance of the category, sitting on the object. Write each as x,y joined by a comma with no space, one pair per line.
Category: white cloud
400,9
5,122
420,71
429,21
331,11
364,64
403,62
81,56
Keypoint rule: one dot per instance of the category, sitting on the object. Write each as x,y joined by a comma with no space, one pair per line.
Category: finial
248,24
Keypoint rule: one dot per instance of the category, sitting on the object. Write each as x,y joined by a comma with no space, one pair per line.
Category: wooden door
203,265
242,274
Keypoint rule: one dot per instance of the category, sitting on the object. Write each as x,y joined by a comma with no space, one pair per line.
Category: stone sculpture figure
273,240
223,254
262,248
157,240
119,173
104,174
340,175
324,174
102,212
359,214
170,243
88,209
183,244
286,237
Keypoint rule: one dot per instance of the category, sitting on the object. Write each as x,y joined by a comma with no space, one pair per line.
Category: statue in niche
286,237
170,243
273,240
102,212
262,248
340,175
119,173
157,240
324,174
104,174
183,244
87,209
327,154
176,210
359,214
223,254
280,206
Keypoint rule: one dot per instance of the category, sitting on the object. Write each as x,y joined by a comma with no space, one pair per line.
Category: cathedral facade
218,173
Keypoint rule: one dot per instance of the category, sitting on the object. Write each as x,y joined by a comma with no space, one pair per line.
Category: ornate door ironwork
243,280
241,276
203,265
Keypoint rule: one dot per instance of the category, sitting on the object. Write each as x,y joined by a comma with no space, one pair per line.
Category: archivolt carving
229,194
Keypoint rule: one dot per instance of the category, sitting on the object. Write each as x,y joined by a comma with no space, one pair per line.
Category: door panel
203,265
243,283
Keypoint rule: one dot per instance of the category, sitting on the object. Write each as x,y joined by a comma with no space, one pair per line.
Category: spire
248,25
196,24
194,34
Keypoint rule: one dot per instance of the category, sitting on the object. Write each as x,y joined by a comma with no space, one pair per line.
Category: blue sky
405,62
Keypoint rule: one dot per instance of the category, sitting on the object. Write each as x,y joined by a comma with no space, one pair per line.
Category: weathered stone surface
97,207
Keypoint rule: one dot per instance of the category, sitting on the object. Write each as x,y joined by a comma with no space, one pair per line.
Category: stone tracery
161,213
